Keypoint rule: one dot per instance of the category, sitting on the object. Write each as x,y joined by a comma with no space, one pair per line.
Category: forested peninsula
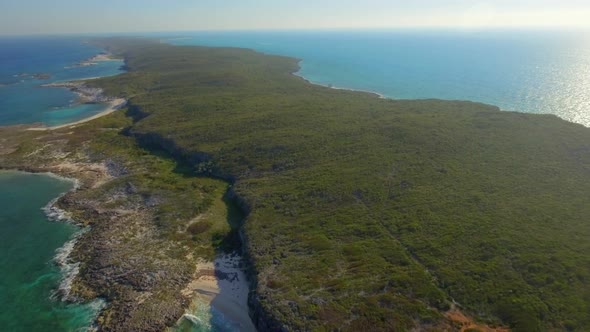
350,210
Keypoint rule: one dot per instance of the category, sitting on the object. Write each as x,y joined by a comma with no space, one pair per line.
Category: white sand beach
114,105
223,285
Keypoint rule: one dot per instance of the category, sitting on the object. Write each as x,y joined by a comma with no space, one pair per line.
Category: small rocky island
95,60
36,76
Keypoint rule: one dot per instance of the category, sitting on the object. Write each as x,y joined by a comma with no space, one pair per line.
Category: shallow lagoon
23,100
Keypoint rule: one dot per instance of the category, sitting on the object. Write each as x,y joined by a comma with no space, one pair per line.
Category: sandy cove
223,285
86,95
114,105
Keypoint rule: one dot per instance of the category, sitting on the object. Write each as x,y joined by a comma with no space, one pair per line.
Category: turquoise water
23,100
28,244
535,72
204,318
525,71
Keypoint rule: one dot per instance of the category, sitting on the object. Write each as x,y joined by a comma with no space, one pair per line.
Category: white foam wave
96,307
69,268
54,213
193,319
76,182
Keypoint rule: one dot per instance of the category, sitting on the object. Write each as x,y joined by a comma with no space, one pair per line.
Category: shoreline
93,61
222,285
298,74
68,269
87,94
113,106
382,96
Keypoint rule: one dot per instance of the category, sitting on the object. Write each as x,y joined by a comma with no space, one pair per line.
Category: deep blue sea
525,71
23,100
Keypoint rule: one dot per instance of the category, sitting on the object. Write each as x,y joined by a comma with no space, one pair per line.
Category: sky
102,16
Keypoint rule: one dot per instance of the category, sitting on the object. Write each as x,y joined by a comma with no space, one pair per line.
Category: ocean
28,241
26,63
517,70
525,71
29,244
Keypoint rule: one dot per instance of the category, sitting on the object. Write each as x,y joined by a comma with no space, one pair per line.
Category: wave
54,213
75,182
193,319
69,269
95,307
197,320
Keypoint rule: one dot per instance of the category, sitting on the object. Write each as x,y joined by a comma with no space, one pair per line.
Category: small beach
36,239
223,286
34,63
113,106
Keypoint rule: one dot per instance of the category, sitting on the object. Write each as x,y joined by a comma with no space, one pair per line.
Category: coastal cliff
261,317
129,258
359,211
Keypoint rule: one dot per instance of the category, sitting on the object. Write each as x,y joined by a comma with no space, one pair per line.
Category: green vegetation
361,211
141,251
373,211
171,187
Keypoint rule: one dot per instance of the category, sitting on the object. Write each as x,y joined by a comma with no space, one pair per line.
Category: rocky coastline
88,259
86,94
261,317
122,258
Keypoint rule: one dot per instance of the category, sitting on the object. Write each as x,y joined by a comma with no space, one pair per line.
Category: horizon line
298,29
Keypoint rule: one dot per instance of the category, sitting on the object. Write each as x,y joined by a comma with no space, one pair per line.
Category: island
95,60
339,209
41,76
36,76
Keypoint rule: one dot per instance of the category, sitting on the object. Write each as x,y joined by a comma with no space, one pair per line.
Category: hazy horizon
29,17
182,33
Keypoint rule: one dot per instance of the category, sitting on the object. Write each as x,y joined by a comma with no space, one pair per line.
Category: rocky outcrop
86,94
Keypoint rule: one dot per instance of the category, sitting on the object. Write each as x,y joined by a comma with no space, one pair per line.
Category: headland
350,210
